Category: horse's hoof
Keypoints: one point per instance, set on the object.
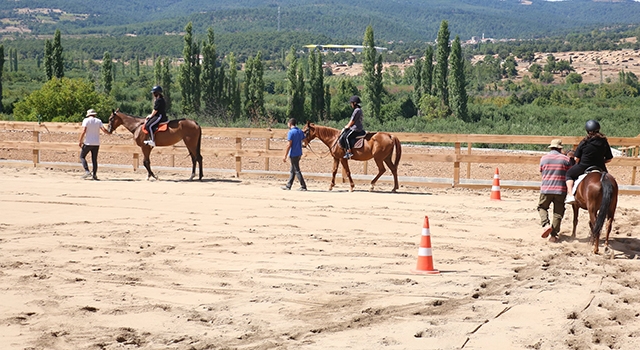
(371, 189)
(608, 252)
(192, 176)
(351, 189)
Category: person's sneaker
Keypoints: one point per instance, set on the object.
(546, 230)
(570, 200)
(150, 143)
(348, 155)
(285, 188)
(302, 189)
(554, 239)
(86, 175)
(96, 178)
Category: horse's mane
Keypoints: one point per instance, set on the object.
(325, 131)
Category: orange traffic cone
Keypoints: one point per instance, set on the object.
(495, 189)
(425, 259)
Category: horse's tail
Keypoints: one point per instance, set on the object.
(398, 147)
(607, 195)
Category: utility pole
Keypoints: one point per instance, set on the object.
(278, 18)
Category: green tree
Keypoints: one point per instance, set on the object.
(57, 58)
(295, 106)
(48, 59)
(316, 85)
(573, 78)
(427, 71)
(535, 70)
(369, 61)
(209, 73)
(418, 65)
(157, 71)
(107, 76)
(233, 88)
(254, 89)
(63, 100)
(509, 67)
(550, 66)
(327, 101)
(136, 64)
(167, 82)
(189, 78)
(457, 82)
(442, 64)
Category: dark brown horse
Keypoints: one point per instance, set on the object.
(378, 145)
(182, 129)
(598, 194)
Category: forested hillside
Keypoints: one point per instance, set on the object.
(406, 20)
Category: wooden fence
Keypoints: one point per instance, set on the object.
(460, 156)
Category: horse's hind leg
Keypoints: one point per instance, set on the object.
(575, 220)
(394, 171)
(381, 170)
(147, 164)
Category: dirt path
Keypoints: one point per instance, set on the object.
(238, 264)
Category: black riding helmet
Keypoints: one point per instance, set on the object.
(355, 99)
(157, 88)
(592, 126)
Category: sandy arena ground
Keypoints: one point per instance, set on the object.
(240, 264)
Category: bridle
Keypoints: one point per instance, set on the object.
(306, 136)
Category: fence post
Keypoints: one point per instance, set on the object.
(468, 163)
(456, 166)
(267, 146)
(172, 159)
(238, 157)
(365, 167)
(136, 161)
(36, 150)
(633, 174)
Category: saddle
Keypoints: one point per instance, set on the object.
(591, 169)
(359, 142)
(161, 127)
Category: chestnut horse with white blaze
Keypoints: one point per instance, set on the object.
(178, 130)
(378, 146)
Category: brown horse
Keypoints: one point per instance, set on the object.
(598, 194)
(182, 129)
(378, 145)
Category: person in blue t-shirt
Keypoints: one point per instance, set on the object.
(294, 151)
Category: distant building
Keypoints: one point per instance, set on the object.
(341, 48)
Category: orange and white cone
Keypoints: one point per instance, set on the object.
(425, 259)
(495, 188)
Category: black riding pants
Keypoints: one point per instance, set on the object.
(94, 157)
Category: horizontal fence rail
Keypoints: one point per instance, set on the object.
(628, 145)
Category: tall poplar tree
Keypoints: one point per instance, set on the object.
(167, 81)
(233, 88)
(48, 59)
(209, 73)
(442, 64)
(427, 71)
(371, 90)
(316, 85)
(417, 79)
(295, 108)
(57, 58)
(107, 76)
(189, 78)
(457, 82)
(254, 88)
